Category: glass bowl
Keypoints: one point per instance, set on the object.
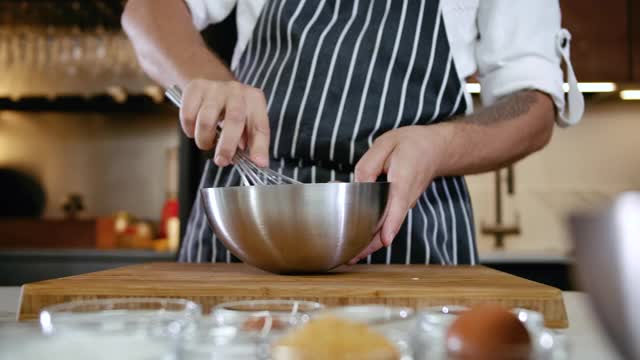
(22, 341)
(429, 334)
(118, 315)
(210, 340)
(533, 320)
(131, 328)
(339, 348)
(248, 335)
(238, 312)
(29, 342)
(381, 317)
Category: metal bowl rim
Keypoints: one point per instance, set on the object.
(296, 186)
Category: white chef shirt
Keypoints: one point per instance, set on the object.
(510, 45)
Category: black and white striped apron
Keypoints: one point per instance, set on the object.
(337, 74)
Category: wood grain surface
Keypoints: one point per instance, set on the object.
(415, 286)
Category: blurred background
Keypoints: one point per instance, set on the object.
(95, 173)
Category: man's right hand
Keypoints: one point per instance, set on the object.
(240, 109)
(177, 55)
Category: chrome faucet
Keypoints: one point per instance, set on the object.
(500, 230)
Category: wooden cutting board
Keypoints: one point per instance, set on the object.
(415, 286)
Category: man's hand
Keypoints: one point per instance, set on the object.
(172, 52)
(512, 128)
(241, 111)
(410, 157)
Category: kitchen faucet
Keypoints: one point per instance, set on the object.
(500, 230)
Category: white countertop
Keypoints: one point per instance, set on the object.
(586, 337)
(9, 299)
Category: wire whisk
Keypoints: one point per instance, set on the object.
(250, 173)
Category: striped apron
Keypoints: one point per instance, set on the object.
(337, 74)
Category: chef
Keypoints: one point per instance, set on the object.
(359, 90)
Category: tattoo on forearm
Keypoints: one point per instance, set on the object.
(507, 108)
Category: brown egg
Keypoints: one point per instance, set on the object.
(486, 332)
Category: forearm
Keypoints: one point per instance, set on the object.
(169, 48)
(498, 135)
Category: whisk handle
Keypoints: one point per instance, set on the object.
(174, 94)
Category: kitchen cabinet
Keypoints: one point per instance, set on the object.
(18, 267)
(601, 46)
(57, 233)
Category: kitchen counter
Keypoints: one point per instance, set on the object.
(552, 269)
(586, 337)
(9, 300)
(24, 266)
(519, 257)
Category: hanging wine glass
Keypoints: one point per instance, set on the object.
(77, 51)
(3, 48)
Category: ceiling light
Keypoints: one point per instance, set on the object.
(473, 88)
(584, 87)
(630, 94)
(593, 87)
(587, 87)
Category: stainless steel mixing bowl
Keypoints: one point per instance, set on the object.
(296, 228)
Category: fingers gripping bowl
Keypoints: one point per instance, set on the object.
(296, 228)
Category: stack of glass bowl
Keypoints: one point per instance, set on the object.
(169, 329)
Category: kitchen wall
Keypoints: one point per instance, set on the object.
(118, 162)
(115, 161)
(583, 167)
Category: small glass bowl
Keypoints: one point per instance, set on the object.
(210, 340)
(398, 338)
(21, 341)
(26, 342)
(30, 342)
(244, 336)
(128, 328)
(377, 316)
(533, 320)
(238, 312)
(429, 334)
(119, 315)
(290, 353)
(441, 316)
(557, 350)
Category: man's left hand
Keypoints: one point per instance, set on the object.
(410, 156)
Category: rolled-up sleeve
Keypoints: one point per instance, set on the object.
(206, 12)
(517, 49)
